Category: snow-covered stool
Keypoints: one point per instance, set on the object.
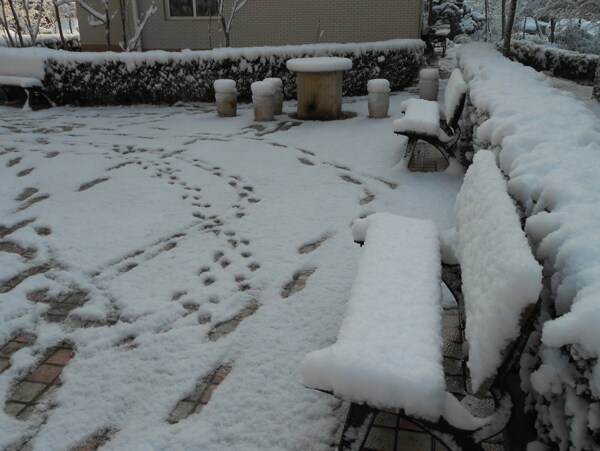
(440, 37)
(388, 354)
(29, 84)
(429, 84)
(226, 97)
(278, 97)
(262, 99)
(422, 121)
(379, 98)
(319, 86)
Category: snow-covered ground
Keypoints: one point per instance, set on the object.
(175, 221)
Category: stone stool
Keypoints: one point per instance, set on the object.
(379, 97)
(262, 98)
(278, 97)
(226, 97)
(429, 83)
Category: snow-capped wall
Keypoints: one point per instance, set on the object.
(167, 77)
(561, 63)
(548, 144)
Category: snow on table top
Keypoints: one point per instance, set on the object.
(28, 62)
(420, 116)
(389, 348)
(550, 149)
(319, 64)
(500, 276)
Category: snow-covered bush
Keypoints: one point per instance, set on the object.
(166, 77)
(460, 18)
(51, 41)
(561, 63)
(547, 144)
(577, 39)
(596, 91)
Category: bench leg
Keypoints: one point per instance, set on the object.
(360, 419)
(410, 148)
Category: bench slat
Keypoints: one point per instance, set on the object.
(389, 348)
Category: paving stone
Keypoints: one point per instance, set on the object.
(25, 412)
(45, 373)
(60, 357)
(414, 441)
(453, 367)
(386, 419)
(25, 338)
(14, 408)
(381, 439)
(451, 321)
(453, 350)
(455, 384)
(492, 447)
(479, 407)
(197, 393)
(76, 298)
(55, 318)
(405, 424)
(61, 309)
(10, 348)
(208, 394)
(27, 391)
(452, 334)
(4, 363)
(181, 411)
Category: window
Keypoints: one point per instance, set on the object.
(193, 8)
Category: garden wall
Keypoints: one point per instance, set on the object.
(159, 77)
(548, 146)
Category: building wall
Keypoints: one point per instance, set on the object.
(276, 22)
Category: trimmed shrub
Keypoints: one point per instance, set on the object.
(560, 63)
(166, 78)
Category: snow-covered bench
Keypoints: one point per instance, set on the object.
(388, 354)
(29, 84)
(422, 121)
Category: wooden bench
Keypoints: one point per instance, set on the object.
(29, 84)
(422, 119)
(388, 354)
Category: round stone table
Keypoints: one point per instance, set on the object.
(319, 86)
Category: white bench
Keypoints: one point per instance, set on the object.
(29, 84)
(422, 121)
(388, 354)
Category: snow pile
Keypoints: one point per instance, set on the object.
(456, 89)
(421, 117)
(500, 276)
(262, 88)
(225, 86)
(378, 85)
(548, 144)
(319, 64)
(389, 347)
(29, 62)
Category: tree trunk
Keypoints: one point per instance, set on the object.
(17, 24)
(512, 9)
(107, 27)
(552, 29)
(488, 32)
(503, 18)
(60, 30)
(524, 26)
(123, 12)
(430, 13)
(5, 25)
(225, 31)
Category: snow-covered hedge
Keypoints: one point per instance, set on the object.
(548, 145)
(561, 63)
(50, 41)
(166, 77)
